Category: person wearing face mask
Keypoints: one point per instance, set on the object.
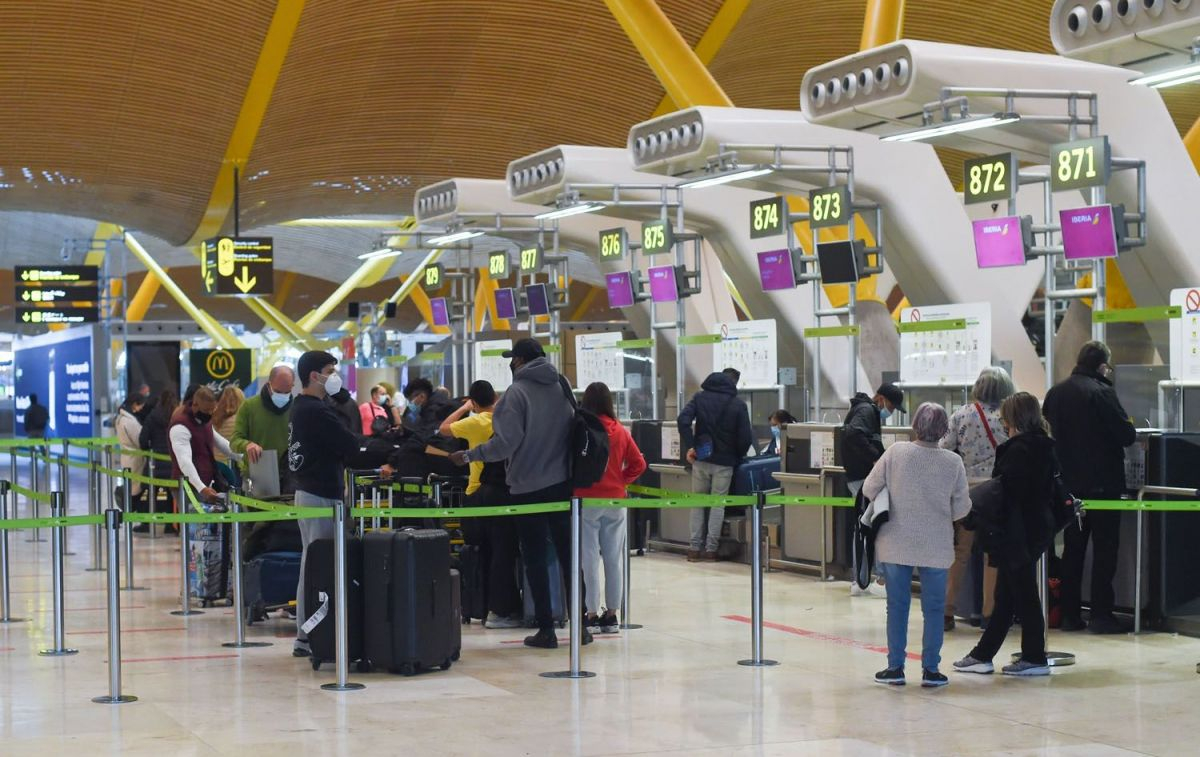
(1092, 430)
(778, 420)
(374, 412)
(262, 420)
(862, 446)
(423, 417)
(193, 442)
(319, 446)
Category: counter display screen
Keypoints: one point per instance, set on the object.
(506, 304)
(441, 311)
(663, 285)
(839, 262)
(1088, 233)
(620, 289)
(999, 242)
(538, 299)
(775, 270)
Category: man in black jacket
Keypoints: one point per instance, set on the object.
(36, 418)
(422, 418)
(862, 446)
(1092, 431)
(719, 441)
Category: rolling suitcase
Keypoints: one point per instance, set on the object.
(320, 597)
(455, 614)
(408, 601)
(472, 589)
(269, 583)
(208, 560)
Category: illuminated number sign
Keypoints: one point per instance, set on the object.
(990, 178)
(657, 237)
(829, 207)
(498, 265)
(433, 277)
(766, 218)
(531, 259)
(1080, 164)
(613, 244)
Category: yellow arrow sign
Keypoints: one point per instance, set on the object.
(25, 296)
(25, 317)
(245, 282)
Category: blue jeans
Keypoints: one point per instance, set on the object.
(933, 603)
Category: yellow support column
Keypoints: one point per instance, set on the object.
(285, 289)
(883, 23)
(718, 31)
(139, 304)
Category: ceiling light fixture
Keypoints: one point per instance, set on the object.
(570, 210)
(1163, 79)
(957, 126)
(451, 238)
(384, 252)
(738, 174)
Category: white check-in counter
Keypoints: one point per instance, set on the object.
(808, 532)
(674, 526)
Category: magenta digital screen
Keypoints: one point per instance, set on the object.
(999, 242)
(663, 287)
(441, 312)
(538, 299)
(506, 304)
(1088, 233)
(620, 289)
(775, 270)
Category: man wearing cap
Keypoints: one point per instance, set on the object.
(530, 430)
(862, 444)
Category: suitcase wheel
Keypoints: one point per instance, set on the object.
(445, 664)
(456, 656)
(408, 669)
(363, 666)
(316, 663)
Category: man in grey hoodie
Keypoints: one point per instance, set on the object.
(530, 432)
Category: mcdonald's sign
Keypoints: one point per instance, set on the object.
(221, 367)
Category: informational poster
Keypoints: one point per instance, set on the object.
(57, 368)
(1185, 335)
(670, 443)
(752, 348)
(820, 449)
(954, 356)
(598, 358)
(490, 366)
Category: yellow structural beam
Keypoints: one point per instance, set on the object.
(714, 37)
(687, 82)
(345, 223)
(485, 303)
(585, 303)
(139, 304)
(883, 23)
(285, 289)
(254, 107)
(283, 325)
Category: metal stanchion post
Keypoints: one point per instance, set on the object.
(239, 600)
(127, 508)
(64, 486)
(94, 509)
(185, 554)
(6, 496)
(341, 512)
(112, 524)
(576, 610)
(152, 493)
(58, 509)
(376, 522)
(35, 483)
(625, 571)
(756, 588)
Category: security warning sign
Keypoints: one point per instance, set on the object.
(239, 266)
(220, 368)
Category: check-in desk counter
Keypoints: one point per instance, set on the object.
(674, 524)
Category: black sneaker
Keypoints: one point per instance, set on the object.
(1070, 624)
(142, 528)
(932, 679)
(1107, 624)
(587, 638)
(547, 639)
(608, 622)
(891, 677)
(300, 648)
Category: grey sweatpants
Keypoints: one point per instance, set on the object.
(709, 479)
(603, 540)
(311, 529)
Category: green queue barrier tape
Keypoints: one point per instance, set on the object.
(788, 501)
(69, 520)
(458, 512)
(699, 500)
(30, 493)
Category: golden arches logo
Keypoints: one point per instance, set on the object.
(220, 364)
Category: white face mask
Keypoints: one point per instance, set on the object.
(280, 399)
(383, 399)
(333, 384)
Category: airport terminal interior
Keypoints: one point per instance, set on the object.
(604, 377)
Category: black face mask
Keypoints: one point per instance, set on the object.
(513, 366)
(202, 418)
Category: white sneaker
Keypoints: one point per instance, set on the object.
(877, 590)
(857, 591)
(495, 621)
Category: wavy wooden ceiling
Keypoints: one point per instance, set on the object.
(127, 105)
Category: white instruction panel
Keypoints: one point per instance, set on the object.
(820, 449)
(493, 368)
(670, 443)
(752, 348)
(598, 358)
(1185, 335)
(946, 357)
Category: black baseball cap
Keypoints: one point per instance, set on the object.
(892, 394)
(527, 349)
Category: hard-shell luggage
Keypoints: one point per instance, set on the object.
(208, 560)
(408, 601)
(455, 614)
(269, 583)
(472, 584)
(558, 593)
(320, 598)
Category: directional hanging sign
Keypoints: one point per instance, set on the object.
(57, 294)
(239, 266)
(70, 315)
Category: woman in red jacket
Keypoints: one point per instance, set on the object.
(604, 529)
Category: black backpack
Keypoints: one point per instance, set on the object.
(588, 440)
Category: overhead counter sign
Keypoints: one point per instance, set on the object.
(57, 294)
(991, 178)
(239, 266)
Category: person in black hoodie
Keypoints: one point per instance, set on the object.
(715, 430)
(319, 444)
(153, 438)
(1093, 431)
(1022, 531)
(862, 446)
(419, 429)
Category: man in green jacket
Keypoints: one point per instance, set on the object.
(262, 421)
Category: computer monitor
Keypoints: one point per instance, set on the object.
(620, 289)
(775, 270)
(663, 284)
(1088, 233)
(999, 242)
(506, 303)
(537, 299)
(839, 262)
(441, 311)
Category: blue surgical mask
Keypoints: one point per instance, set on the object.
(775, 432)
(884, 413)
(280, 399)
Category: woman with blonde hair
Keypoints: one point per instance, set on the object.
(224, 421)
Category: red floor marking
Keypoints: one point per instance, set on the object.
(180, 659)
(839, 640)
(126, 630)
(7, 649)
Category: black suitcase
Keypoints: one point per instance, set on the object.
(455, 613)
(269, 582)
(408, 601)
(318, 581)
(473, 591)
